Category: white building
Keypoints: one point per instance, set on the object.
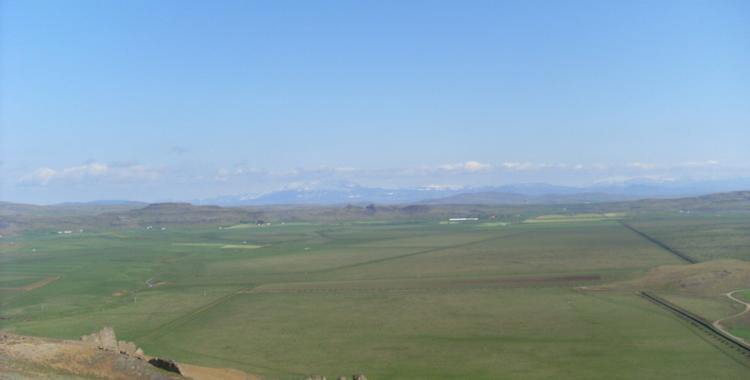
(463, 219)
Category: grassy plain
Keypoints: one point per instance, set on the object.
(416, 300)
(703, 237)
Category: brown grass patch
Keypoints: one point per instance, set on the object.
(706, 278)
(206, 373)
(34, 285)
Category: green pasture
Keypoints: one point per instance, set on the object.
(419, 300)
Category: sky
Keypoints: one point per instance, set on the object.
(181, 100)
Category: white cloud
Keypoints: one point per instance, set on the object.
(89, 171)
(468, 166)
(642, 165)
(519, 165)
(621, 179)
(345, 169)
(431, 187)
(680, 165)
(244, 177)
(699, 164)
(223, 174)
(40, 176)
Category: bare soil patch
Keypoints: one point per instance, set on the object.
(207, 373)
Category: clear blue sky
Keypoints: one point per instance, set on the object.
(183, 99)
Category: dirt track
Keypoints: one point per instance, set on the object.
(696, 320)
(717, 323)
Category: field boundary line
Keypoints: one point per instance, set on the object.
(164, 328)
(658, 243)
(698, 321)
(417, 253)
(428, 286)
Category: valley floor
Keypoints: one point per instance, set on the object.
(393, 301)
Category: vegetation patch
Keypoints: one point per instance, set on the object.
(567, 218)
(397, 300)
(219, 245)
(493, 224)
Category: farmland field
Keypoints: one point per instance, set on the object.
(401, 300)
(702, 237)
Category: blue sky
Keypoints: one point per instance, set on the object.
(188, 99)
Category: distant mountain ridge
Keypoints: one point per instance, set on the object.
(343, 193)
(105, 202)
(501, 198)
(349, 193)
(16, 218)
(332, 195)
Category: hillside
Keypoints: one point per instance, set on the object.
(95, 356)
(707, 278)
(24, 357)
(185, 213)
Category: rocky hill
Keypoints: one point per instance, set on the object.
(96, 356)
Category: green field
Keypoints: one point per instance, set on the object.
(702, 237)
(406, 300)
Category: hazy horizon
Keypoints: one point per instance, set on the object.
(179, 101)
(402, 190)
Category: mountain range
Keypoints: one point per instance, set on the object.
(350, 193)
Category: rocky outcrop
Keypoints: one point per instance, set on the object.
(24, 357)
(105, 339)
(128, 348)
(106, 344)
(165, 364)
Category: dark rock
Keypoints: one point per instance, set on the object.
(165, 364)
